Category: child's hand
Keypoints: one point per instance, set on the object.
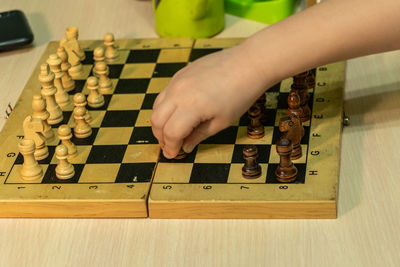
(205, 97)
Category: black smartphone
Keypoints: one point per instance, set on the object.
(14, 30)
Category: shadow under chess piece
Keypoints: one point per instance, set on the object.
(255, 130)
(251, 169)
(286, 172)
(293, 130)
(31, 170)
(181, 155)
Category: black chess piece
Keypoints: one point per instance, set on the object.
(286, 172)
(255, 130)
(301, 86)
(251, 169)
(261, 101)
(310, 79)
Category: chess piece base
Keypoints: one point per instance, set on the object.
(251, 173)
(41, 153)
(32, 174)
(66, 173)
(286, 174)
(255, 133)
(83, 134)
(296, 152)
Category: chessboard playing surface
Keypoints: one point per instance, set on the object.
(119, 169)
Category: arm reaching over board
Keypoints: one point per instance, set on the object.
(213, 92)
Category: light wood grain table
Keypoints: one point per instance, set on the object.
(366, 232)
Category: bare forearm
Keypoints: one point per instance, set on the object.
(331, 31)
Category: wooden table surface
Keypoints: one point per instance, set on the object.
(366, 232)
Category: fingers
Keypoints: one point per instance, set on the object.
(179, 125)
(159, 118)
(202, 132)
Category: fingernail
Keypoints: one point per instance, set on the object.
(188, 148)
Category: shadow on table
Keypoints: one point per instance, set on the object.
(368, 109)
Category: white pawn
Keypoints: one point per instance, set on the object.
(31, 170)
(104, 82)
(46, 78)
(62, 97)
(82, 128)
(64, 169)
(65, 135)
(111, 51)
(80, 101)
(67, 81)
(40, 112)
(94, 99)
(98, 56)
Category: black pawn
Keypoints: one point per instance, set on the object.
(286, 172)
(255, 130)
(251, 169)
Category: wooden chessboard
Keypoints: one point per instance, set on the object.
(119, 169)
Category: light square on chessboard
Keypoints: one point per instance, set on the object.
(285, 85)
(283, 113)
(158, 84)
(215, 153)
(15, 175)
(173, 173)
(80, 158)
(242, 137)
(174, 55)
(99, 173)
(138, 70)
(97, 118)
(141, 153)
(113, 136)
(235, 174)
(114, 82)
(274, 157)
(143, 119)
(271, 100)
(126, 102)
(122, 56)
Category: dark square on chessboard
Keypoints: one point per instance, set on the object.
(301, 174)
(142, 135)
(201, 52)
(120, 118)
(132, 86)
(143, 56)
(215, 173)
(226, 136)
(51, 178)
(167, 69)
(106, 154)
(88, 58)
(149, 101)
(135, 172)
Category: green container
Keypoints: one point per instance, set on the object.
(266, 11)
(189, 18)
